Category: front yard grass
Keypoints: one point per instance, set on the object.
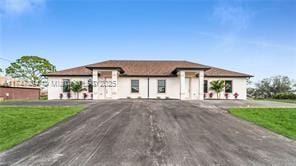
(293, 101)
(20, 123)
(279, 120)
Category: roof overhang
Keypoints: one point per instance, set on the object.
(227, 76)
(66, 75)
(126, 75)
(176, 70)
(106, 68)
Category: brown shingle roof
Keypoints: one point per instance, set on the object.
(142, 68)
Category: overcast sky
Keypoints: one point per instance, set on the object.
(255, 37)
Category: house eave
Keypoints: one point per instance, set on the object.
(106, 68)
(176, 70)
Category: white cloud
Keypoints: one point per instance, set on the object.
(17, 7)
(233, 15)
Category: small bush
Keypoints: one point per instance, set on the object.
(61, 96)
(285, 96)
(85, 96)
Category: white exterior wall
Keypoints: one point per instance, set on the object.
(172, 87)
(55, 87)
(239, 85)
(124, 87)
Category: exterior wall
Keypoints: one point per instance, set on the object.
(239, 85)
(172, 87)
(124, 87)
(55, 87)
(17, 93)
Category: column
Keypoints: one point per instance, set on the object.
(182, 85)
(95, 84)
(201, 85)
(114, 84)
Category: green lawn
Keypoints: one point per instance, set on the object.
(281, 100)
(279, 120)
(20, 123)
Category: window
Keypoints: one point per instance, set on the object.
(135, 86)
(90, 85)
(228, 86)
(66, 85)
(205, 86)
(161, 86)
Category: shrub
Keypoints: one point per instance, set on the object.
(285, 96)
(226, 95)
(43, 97)
(69, 95)
(236, 95)
(211, 95)
(85, 96)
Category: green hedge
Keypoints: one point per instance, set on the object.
(285, 96)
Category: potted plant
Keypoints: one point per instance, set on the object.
(235, 95)
(69, 95)
(226, 95)
(85, 96)
(61, 96)
(211, 94)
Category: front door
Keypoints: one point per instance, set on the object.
(187, 88)
(108, 88)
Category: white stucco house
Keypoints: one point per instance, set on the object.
(115, 79)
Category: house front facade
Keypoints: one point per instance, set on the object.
(116, 79)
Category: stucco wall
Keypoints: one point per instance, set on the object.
(239, 85)
(124, 87)
(172, 87)
(55, 87)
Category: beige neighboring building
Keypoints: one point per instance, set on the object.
(115, 79)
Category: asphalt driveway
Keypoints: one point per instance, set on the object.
(155, 132)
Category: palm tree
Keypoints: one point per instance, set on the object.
(217, 86)
(76, 87)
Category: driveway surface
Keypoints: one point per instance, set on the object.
(155, 132)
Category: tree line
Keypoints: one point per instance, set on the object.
(278, 87)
